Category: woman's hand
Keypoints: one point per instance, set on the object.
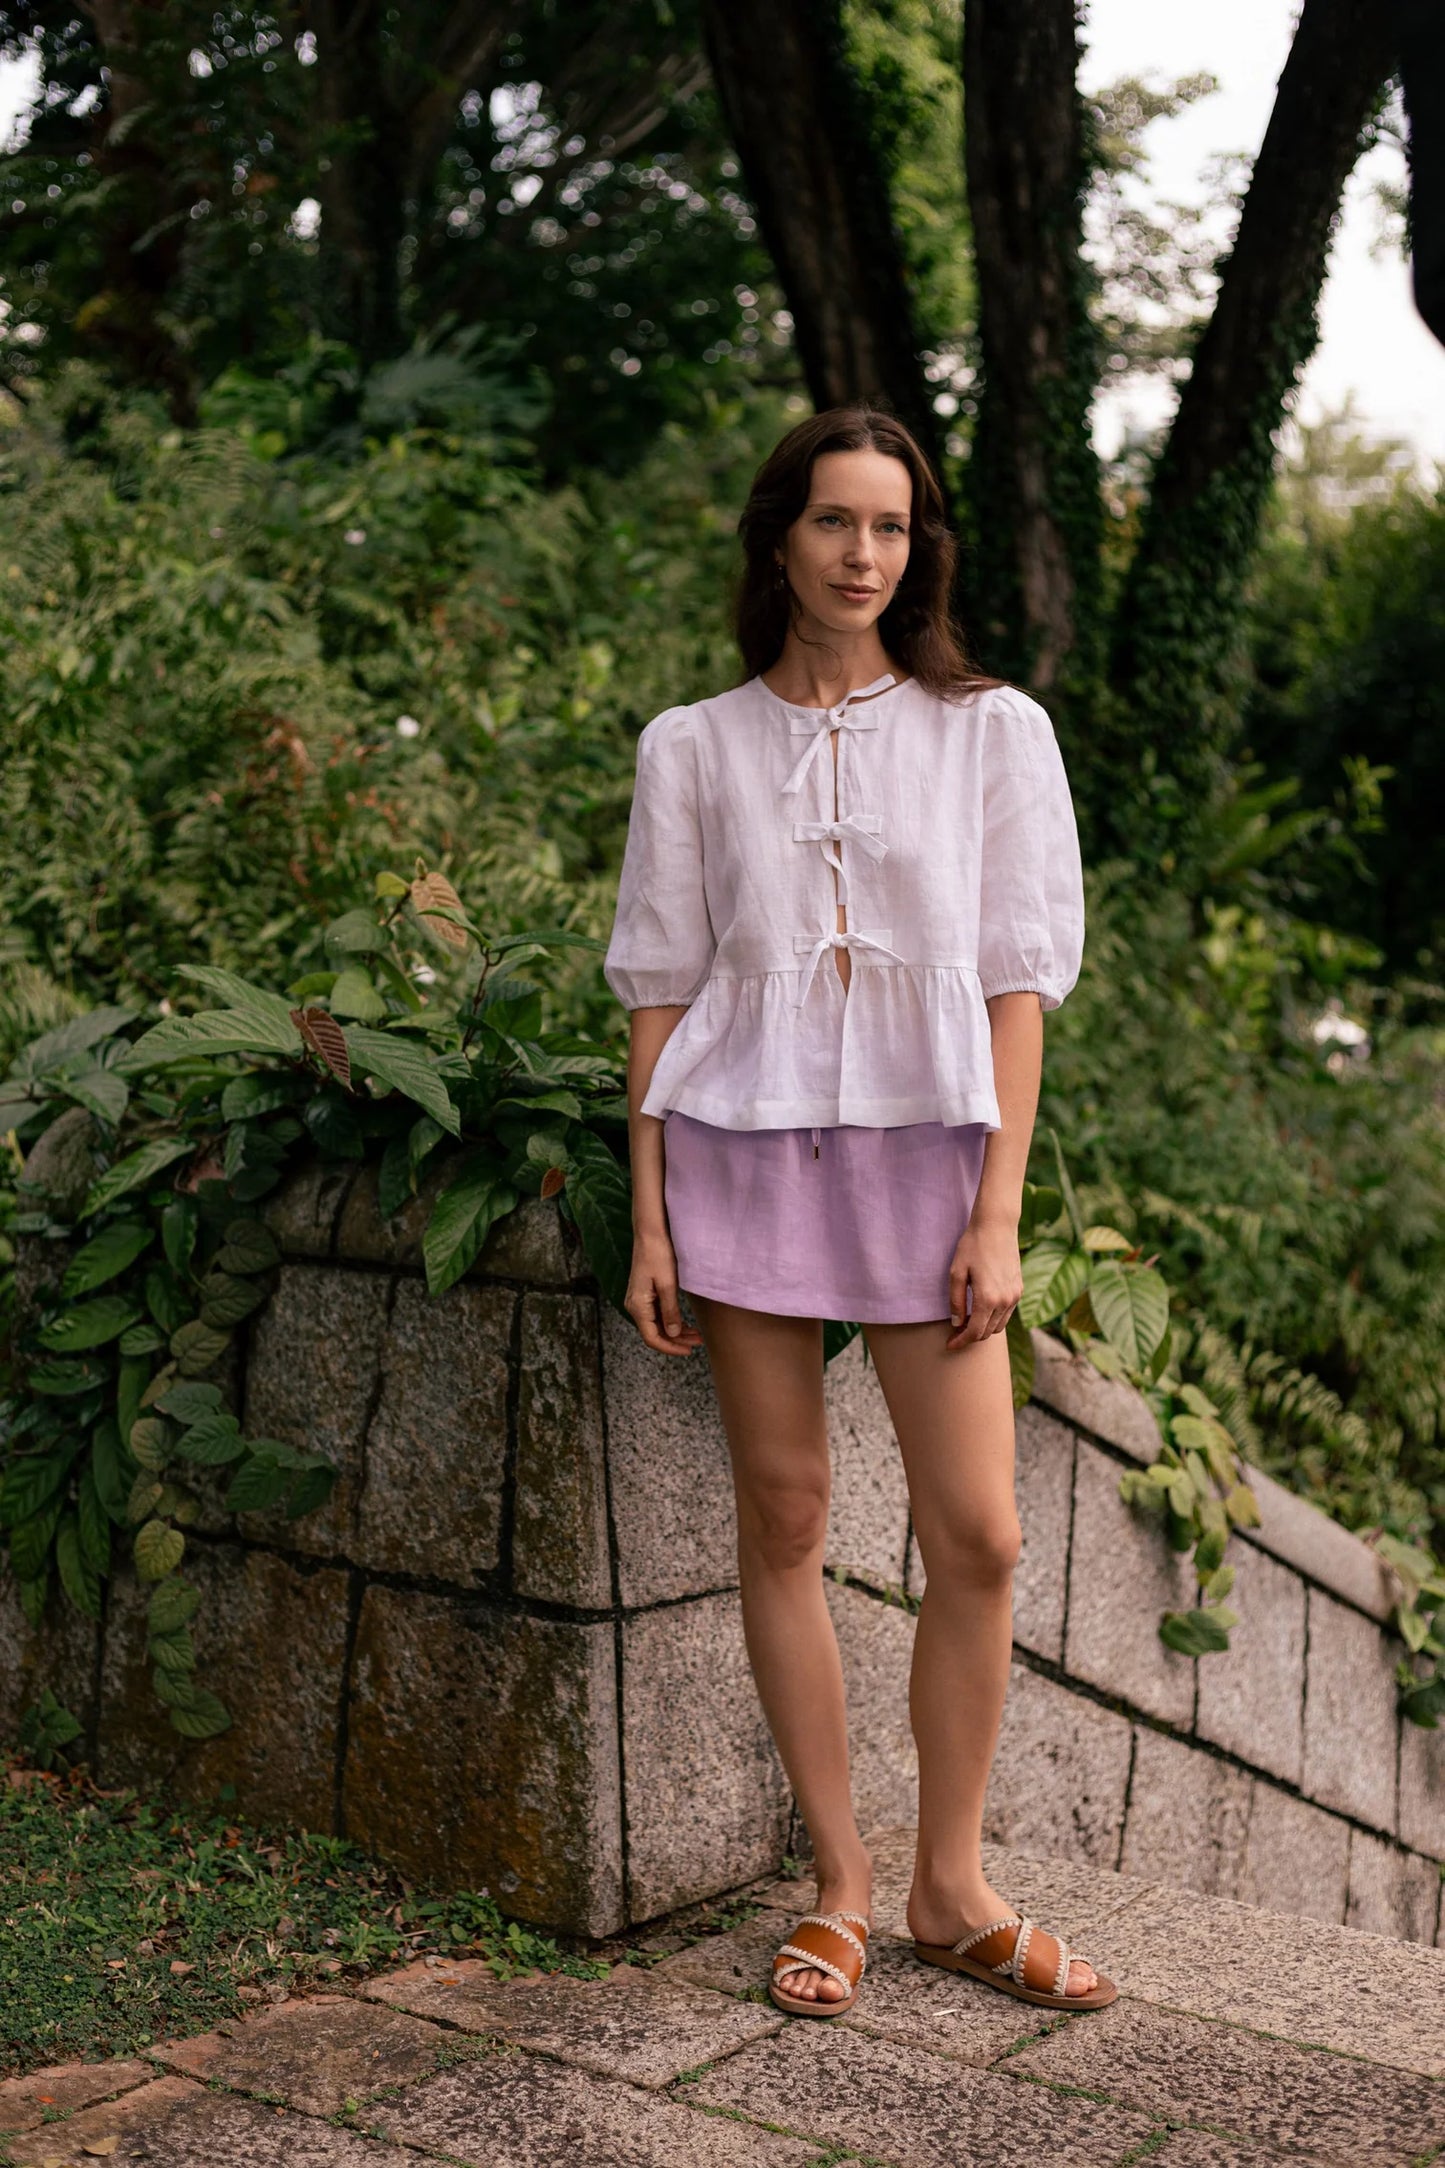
(987, 1263)
(651, 1300)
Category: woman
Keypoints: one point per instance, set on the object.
(851, 886)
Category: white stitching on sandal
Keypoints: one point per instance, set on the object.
(981, 1934)
(1021, 1951)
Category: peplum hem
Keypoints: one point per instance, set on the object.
(739, 1060)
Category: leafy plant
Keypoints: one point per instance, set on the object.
(159, 1149)
(47, 1728)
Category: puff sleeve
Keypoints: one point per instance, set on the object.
(661, 946)
(1031, 916)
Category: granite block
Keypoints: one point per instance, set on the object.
(1251, 1695)
(1059, 1774)
(868, 1510)
(559, 1533)
(482, 1751)
(315, 2055)
(1422, 1788)
(667, 1457)
(1188, 1818)
(270, 1639)
(1350, 1719)
(875, 1641)
(1122, 1578)
(707, 1800)
(1296, 1857)
(1392, 1891)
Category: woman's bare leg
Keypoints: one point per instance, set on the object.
(768, 1375)
(953, 1413)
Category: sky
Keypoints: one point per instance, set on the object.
(1373, 346)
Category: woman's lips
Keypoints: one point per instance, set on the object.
(855, 594)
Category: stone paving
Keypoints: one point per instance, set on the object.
(1241, 2039)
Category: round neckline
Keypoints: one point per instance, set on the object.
(794, 707)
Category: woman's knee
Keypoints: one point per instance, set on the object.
(971, 1550)
(783, 1524)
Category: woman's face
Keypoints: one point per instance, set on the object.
(846, 552)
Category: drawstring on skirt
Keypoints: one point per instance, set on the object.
(815, 1144)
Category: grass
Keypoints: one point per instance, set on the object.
(124, 1923)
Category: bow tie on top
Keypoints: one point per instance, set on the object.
(831, 719)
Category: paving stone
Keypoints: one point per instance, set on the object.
(1251, 1695)
(1122, 1578)
(512, 2110)
(1296, 1857)
(63, 2089)
(1392, 1892)
(1333, 2107)
(303, 1213)
(667, 1457)
(1199, 2149)
(428, 1498)
(1110, 1408)
(177, 2124)
(1350, 1724)
(1422, 1788)
(1329, 1987)
(833, 2083)
(868, 1510)
(875, 1641)
(707, 1800)
(1188, 1818)
(559, 1535)
(901, 1998)
(482, 1752)
(315, 2055)
(280, 1752)
(643, 2027)
(1059, 1774)
(312, 1377)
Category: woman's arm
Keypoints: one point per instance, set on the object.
(652, 1301)
(987, 1257)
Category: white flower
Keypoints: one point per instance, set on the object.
(424, 975)
(354, 535)
(407, 726)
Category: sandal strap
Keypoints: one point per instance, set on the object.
(981, 1934)
(808, 1961)
(831, 1920)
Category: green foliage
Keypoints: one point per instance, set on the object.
(119, 1430)
(125, 1922)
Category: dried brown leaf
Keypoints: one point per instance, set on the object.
(325, 1037)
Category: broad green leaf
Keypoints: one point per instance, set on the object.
(30, 1542)
(166, 1298)
(134, 1172)
(391, 884)
(146, 1494)
(150, 1443)
(1054, 1278)
(353, 995)
(100, 1091)
(477, 1195)
(393, 1180)
(197, 1346)
(1066, 1189)
(1099, 1239)
(404, 1068)
(65, 1380)
(261, 1092)
(159, 1549)
(78, 1577)
(94, 1524)
(90, 1324)
(173, 1606)
(225, 1301)
(180, 1222)
(202, 1717)
(174, 1689)
(249, 1247)
(335, 1128)
(72, 1038)
(30, 1483)
(190, 1402)
(259, 1483)
(1131, 1303)
(214, 1031)
(1219, 1583)
(1021, 1358)
(1194, 1633)
(240, 996)
(141, 1339)
(111, 1470)
(1242, 1506)
(101, 1259)
(174, 1652)
(212, 1442)
(599, 1196)
(311, 1489)
(356, 933)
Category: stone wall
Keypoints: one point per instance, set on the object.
(508, 1652)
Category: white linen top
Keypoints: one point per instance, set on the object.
(953, 840)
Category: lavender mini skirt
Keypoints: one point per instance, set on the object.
(864, 1233)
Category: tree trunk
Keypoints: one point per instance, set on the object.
(1181, 609)
(802, 130)
(1033, 485)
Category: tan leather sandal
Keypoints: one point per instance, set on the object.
(1034, 1964)
(822, 1943)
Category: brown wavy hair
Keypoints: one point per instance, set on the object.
(918, 625)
